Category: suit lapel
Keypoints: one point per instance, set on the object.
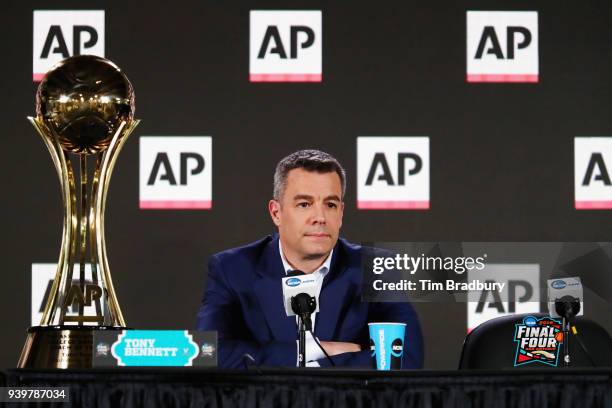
(269, 292)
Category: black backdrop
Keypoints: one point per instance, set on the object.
(502, 162)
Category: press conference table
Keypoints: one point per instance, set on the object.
(293, 387)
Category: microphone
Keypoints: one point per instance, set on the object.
(298, 283)
(567, 307)
(304, 305)
(564, 300)
(300, 298)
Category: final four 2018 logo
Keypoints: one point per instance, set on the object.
(538, 341)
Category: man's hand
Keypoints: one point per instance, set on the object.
(337, 347)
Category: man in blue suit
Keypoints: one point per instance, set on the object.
(243, 300)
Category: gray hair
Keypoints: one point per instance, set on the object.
(309, 160)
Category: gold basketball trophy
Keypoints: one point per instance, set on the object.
(84, 114)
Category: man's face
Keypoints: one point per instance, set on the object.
(309, 214)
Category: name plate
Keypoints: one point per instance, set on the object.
(155, 348)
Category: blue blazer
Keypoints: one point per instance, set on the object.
(243, 302)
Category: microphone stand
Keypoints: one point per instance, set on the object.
(302, 343)
(303, 305)
(566, 336)
(567, 307)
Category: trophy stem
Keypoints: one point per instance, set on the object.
(83, 229)
(83, 236)
(109, 157)
(63, 275)
(90, 220)
(92, 238)
(66, 261)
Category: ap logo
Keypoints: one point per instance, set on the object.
(285, 46)
(175, 172)
(520, 294)
(43, 275)
(502, 46)
(393, 173)
(592, 178)
(59, 34)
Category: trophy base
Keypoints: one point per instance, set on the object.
(59, 346)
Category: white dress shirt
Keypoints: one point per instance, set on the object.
(313, 352)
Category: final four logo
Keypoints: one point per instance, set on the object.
(538, 341)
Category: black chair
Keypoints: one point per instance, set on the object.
(492, 345)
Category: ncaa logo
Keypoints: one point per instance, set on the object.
(502, 46)
(291, 282)
(558, 284)
(393, 173)
(102, 349)
(285, 46)
(175, 172)
(59, 34)
(592, 183)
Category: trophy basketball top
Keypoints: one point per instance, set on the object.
(83, 100)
